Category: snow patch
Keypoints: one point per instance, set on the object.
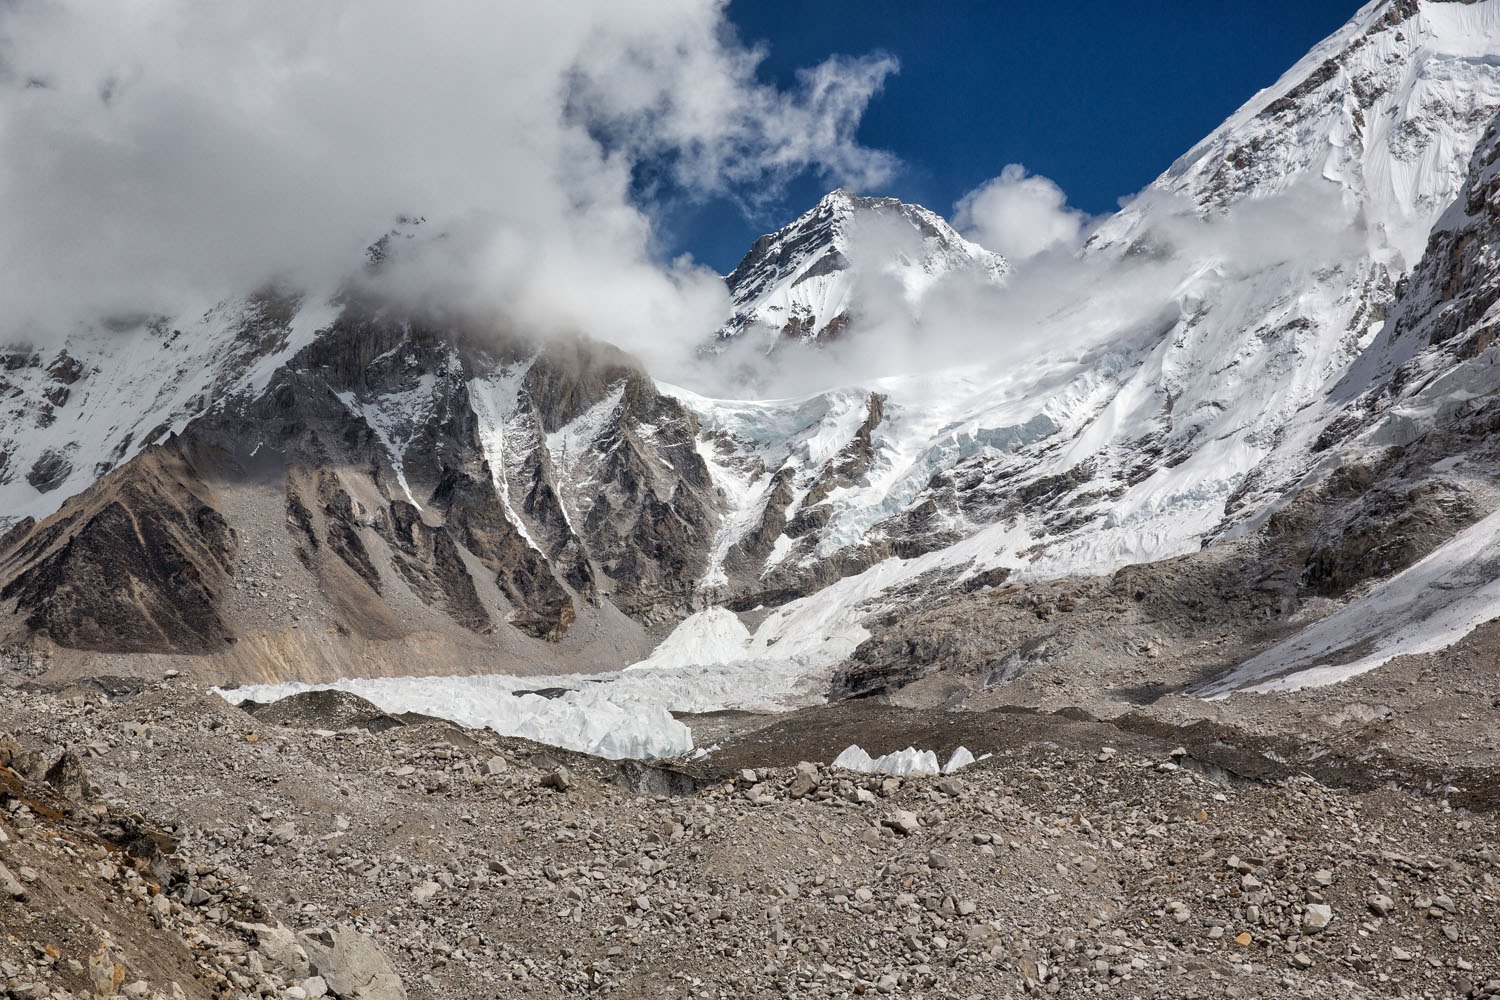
(714, 635)
(1424, 609)
(494, 400)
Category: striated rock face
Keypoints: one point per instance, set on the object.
(411, 476)
(137, 564)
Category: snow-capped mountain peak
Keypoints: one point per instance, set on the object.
(803, 282)
(1385, 110)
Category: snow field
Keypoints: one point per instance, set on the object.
(1427, 608)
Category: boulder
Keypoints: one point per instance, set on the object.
(351, 965)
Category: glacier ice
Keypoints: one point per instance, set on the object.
(713, 635)
(709, 663)
(590, 717)
(961, 758)
(902, 762)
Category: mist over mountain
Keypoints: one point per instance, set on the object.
(159, 161)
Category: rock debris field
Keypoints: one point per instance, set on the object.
(159, 842)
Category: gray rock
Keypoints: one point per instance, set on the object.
(71, 778)
(10, 886)
(279, 949)
(803, 785)
(903, 822)
(351, 965)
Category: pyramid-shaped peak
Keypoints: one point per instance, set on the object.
(803, 281)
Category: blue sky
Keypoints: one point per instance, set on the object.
(1099, 95)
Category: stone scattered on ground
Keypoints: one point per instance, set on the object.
(196, 851)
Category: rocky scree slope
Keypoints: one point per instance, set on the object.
(1077, 858)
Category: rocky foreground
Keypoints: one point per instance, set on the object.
(160, 842)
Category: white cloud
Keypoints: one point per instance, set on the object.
(160, 152)
(1019, 215)
(1157, 262)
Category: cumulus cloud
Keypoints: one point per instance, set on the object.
(157, 153)
(1019, 215)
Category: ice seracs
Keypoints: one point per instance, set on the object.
(710, 663)
(712, 636)
(589, 718)
(902, 762)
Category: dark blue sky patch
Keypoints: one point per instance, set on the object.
(1099, 95)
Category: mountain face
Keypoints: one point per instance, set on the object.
(1309, 436)
(389, 482)
(73, 413)
(808, 280)
(309, 487)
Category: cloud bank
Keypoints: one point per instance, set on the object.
(1019, 215)
(157, 153)
(157, 156)
(1159, 262)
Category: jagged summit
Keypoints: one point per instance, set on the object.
(803, 281)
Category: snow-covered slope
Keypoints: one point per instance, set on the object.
(1385, 111)
(809, 280)
(71, 413)
(1427, 608)
(1269, 256)
(1426, 391)
(1319, 196)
